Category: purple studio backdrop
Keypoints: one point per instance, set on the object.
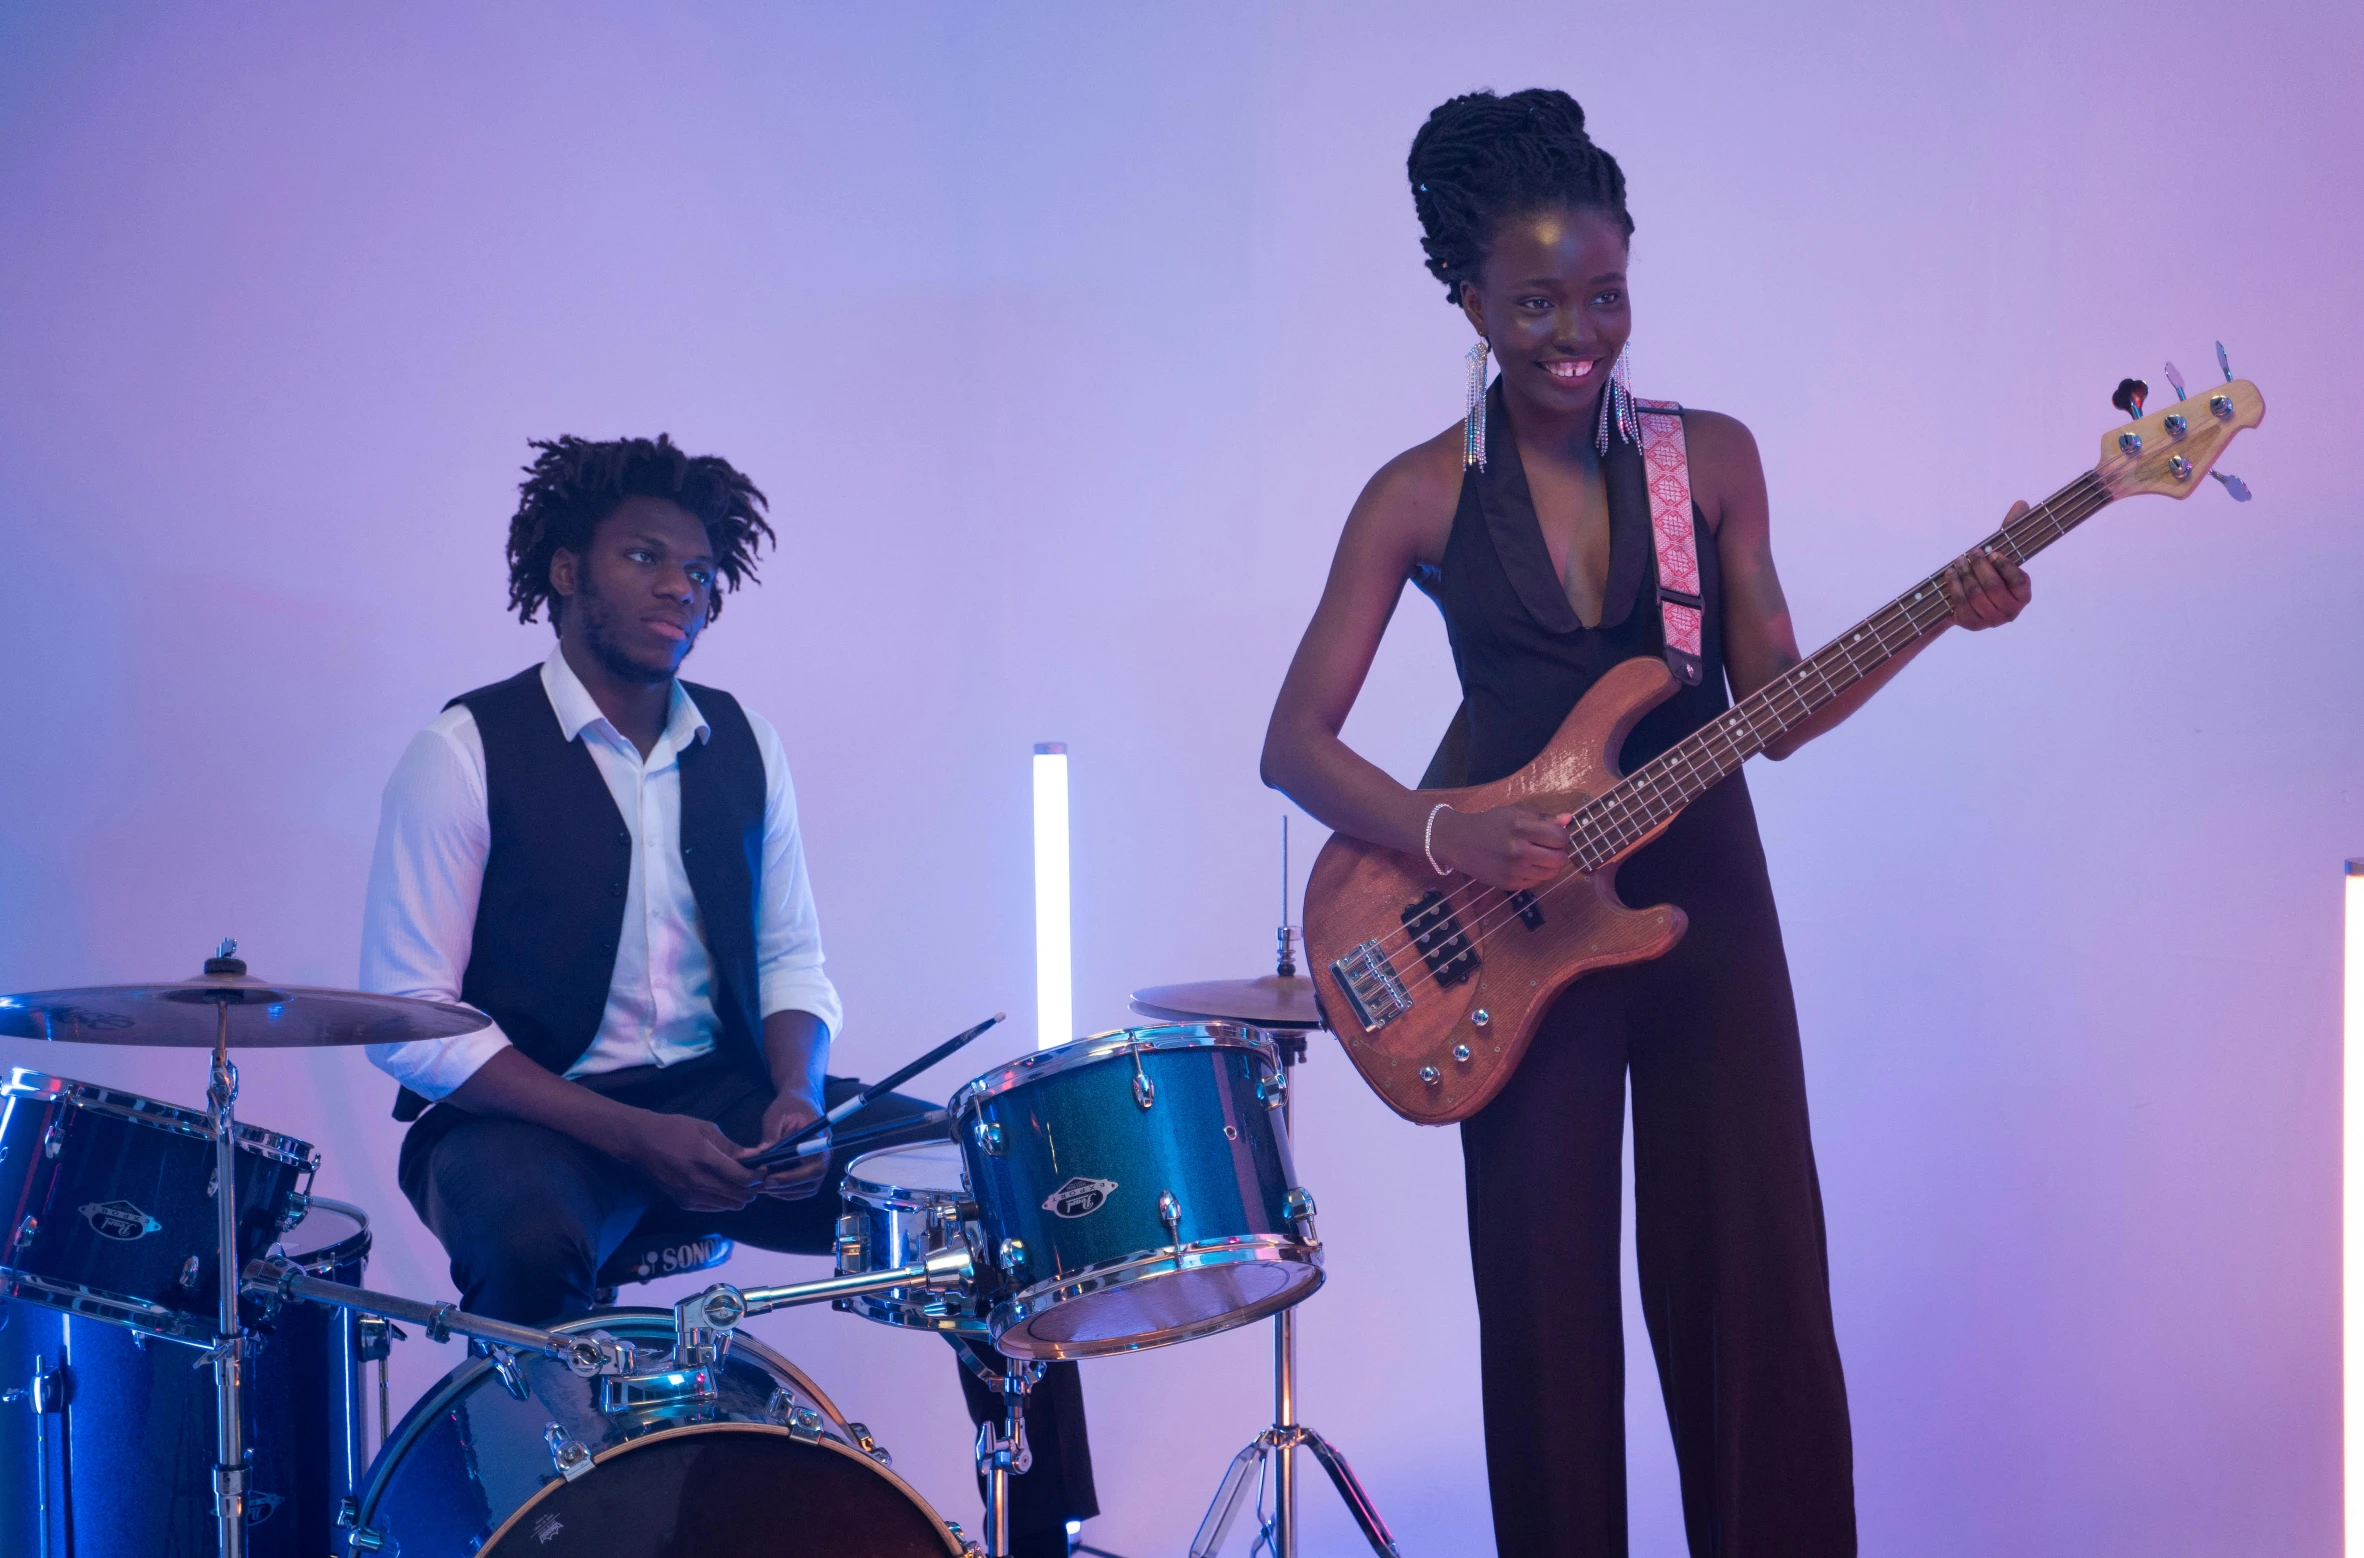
(1062, 337)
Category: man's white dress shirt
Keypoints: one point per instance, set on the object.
(434, 833)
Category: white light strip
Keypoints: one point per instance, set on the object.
(2351, 1211)
(1054, 964)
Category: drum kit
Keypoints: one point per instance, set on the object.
(1128, 1190)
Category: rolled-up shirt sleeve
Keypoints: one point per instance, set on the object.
(788, 934)
(418, 918)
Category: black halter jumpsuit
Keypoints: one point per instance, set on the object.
(1734, 1279)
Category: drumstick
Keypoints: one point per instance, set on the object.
(814, 1147)
(878, 1089)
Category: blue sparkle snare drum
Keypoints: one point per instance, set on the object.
(1134, 1189)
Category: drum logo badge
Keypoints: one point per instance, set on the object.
(119, 1220)
(1079, 1197)
(547, 1527)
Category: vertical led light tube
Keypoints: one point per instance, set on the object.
(1054, 963)
(2351, 1212)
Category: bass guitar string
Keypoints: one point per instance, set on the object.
(2062, 512)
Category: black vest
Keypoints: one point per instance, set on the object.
(552, 907)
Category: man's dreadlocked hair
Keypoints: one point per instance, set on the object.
(1483, 158)
(574, 483)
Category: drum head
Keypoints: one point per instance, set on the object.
(332, 1234)
(726, 1488)
(929, 1167)
(1155, 1304)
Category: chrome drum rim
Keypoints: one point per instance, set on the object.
(1114, 1044)
(1011, 1316)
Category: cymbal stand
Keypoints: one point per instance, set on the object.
(229, 1353)
(1275, 1449)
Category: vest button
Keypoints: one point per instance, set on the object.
(624, 837)
(615, 889)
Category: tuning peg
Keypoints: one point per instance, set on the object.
(2129, 396)
(2176, 379)
(2234, 485)
(2224, 362)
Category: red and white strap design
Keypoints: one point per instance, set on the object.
(1666, 468)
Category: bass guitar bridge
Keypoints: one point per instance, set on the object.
(1371, 986)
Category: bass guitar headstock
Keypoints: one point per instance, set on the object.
(2170, 450)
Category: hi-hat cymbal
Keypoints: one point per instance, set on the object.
(1270, 1002)
(262, 1015)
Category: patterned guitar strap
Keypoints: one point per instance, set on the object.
(1666, 468)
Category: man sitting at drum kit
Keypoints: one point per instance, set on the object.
(606, 860)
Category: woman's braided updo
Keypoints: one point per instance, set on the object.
(1481, 158)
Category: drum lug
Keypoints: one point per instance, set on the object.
(869, 1445)
(1273, 1090)
(24, 1234)
(367, 1541)
(1144, 1090)
(53, 1140)
(1298, 1204)
(989, 1138)
(189, 1274)
(299, 1207)
(849, 1243)
(348, 1512)
(1169, 1212)
(508, 1370)
(802, 1422)
(569, 1457)
(1013, 1257)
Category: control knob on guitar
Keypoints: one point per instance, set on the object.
(1436, 985)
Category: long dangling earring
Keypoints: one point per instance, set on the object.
(1473, 422)
(1617, 400)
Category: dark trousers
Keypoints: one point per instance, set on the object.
(528, 1215)
(1735, 1282)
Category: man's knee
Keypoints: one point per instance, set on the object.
(528, 1275)
(520, 1211)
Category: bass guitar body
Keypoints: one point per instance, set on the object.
(1435, 984)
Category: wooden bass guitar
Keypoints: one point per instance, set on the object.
(1435, 985)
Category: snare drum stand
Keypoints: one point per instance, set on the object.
(1277, 1446)
(1002, 1452)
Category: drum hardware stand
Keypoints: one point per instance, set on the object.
(46, 1391)
(231, 1459)
(1002, 1450)
(1276, 1447)
(374, 1337)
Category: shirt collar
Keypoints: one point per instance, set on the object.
(576, 709)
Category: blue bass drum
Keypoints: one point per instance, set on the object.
(1135, 1189)
(525, 1459)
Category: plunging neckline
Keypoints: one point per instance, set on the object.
(1517, 530)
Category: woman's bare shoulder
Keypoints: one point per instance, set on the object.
(1412, 497)
(1727, 476)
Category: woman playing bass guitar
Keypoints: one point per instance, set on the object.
(1531, 527)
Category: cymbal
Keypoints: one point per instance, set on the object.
(262, 1015)
(1269, 1002)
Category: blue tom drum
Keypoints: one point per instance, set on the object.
(1134, 1188)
